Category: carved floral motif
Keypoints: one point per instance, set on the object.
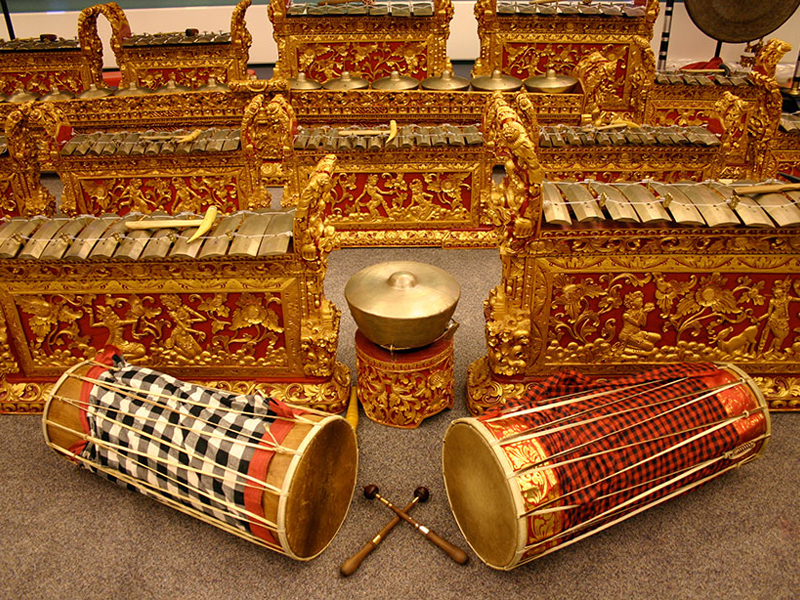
(405, 392)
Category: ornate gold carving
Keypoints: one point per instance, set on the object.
(508, 332)
(769, 56)
(22, 397)
(407, 196)
(265, 319)
(32, 198)
(7, 362)
(733, 114)
(92, 45)
(782, 393)
(524, 45)
(312, 235)
(190, 65)
(367, 45)
(505, 135)
(419, 106)
(404, 392)
(331, 396)
(764, 122)
(96, 183)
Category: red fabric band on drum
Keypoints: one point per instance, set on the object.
(259, 465)
(84, 398)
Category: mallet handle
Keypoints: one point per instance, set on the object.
(351, 564)
(457, 554)
(766, 188)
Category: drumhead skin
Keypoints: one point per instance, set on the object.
(319, 487)
(480, 495)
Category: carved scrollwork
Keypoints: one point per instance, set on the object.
(508, 333)
(518, 198)
(241, 38)
(733, 114)
(92, 45)
(33, 198)
(311, 234)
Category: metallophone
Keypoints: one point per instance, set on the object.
(524, 39)
(431, 184)
(110, 112)
(242, 308)
(189, 57)
(176, 170)
(371, 40)
(609, 278)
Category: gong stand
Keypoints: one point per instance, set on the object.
(7, 16)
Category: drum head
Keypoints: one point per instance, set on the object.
(480, 496)
(321, 490)
(736, 21)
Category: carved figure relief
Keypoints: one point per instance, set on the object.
(401, 197)
(699, 317)
(173, 194)
(162, 329)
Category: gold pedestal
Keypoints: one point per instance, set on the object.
(402, 388)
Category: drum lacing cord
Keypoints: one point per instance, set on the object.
(260, 415)
(237, 438)
(159, 495)
(189, 401)
(714, 427)
(116, 447)
(642, 508)
(125, 391)
(542, 508)
(569, 399)
(583, 397)
(544, 429)
(709, 393)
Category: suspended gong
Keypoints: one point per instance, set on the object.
(736, 21)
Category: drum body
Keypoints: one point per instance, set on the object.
(551, 469)
(276, 475)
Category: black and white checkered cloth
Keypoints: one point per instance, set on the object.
(183, 442)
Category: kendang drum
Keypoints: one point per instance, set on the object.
(279, 476)
(574, 455)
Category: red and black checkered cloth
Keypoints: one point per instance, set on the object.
(642, 414)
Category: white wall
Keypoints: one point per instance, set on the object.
(687, 43)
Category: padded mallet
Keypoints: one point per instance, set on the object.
(421, 494)
(457, 554)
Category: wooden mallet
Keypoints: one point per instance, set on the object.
(203, 225)
(457, 554)
(421, 494)
(392, 131)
